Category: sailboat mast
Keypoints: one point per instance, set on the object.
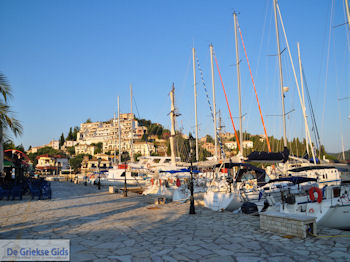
(342, 147)
(172, 132)
(239, 87)
(347, 11)
(119, 135)
(195, 99)
(281, 75)
(214, 103)
(132, 128)
(307, 131)
(303, 99)
(115, 140)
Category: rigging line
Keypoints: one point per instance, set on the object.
(208, 100)
(327, 63)
(256, 94)
(313, 118)
(228, 106)
(296, 82)
(138, 113)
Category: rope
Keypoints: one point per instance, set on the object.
(228, 106)
(297, 84)
(211, 109)
(256, 94)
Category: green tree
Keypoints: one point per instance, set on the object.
(8, 144)
(71, 150)
(7, 120)
(75, 132)
(209, 139)
(20, 148)
(61, 140)
(88, 121)
(125, 156)
(70, 135)
(75, 162)
(98, 147)
(203, 154)
(136, 156)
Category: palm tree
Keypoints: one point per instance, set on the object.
(7, 121)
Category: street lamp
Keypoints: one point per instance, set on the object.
(192, 209)
(99, 176)
(125, 155)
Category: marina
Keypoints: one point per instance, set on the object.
(169, 176)
(109, 227)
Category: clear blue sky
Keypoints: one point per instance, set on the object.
(67, 61)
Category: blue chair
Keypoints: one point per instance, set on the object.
(5, 192)
(17, 191)
(46, 190)
(34, 190)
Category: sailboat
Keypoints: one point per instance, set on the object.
(332, 205)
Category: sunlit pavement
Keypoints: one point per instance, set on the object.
(108, 227)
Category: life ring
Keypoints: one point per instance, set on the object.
(311, 210)
(319, 194)
(148, 165)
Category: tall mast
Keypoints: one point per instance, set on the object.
(119, 135)
(347, 12)
(303, 98)
(239, 88)
(115, 140)
(307, 131)
(342, 147)
(132, 128)
(195, 100)
(214, 104)
(172, 118)
(281, 75)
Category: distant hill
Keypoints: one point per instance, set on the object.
(339, 156)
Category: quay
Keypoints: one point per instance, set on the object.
(108, 227)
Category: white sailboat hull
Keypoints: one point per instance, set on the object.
(222, 201)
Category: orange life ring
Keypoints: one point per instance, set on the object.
(319, 194)
(148, 165)
(311, 210)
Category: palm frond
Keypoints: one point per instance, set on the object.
(5, 88)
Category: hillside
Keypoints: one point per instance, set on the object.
(339, 155)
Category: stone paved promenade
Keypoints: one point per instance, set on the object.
(108, 227)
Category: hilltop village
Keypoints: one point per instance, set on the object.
(85, 145)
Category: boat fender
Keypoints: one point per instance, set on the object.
(266, 206)
(178, 182)
(249, 208)
(319, 194)
(152, 181)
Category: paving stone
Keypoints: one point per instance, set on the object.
(121, 258)
(108, 227)
(164, 251)
(249, 259)
(129, 242)
(223, 252)
(203, 252)
(169, 259)
(156, 258)
(338, 254)
(218, 259)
